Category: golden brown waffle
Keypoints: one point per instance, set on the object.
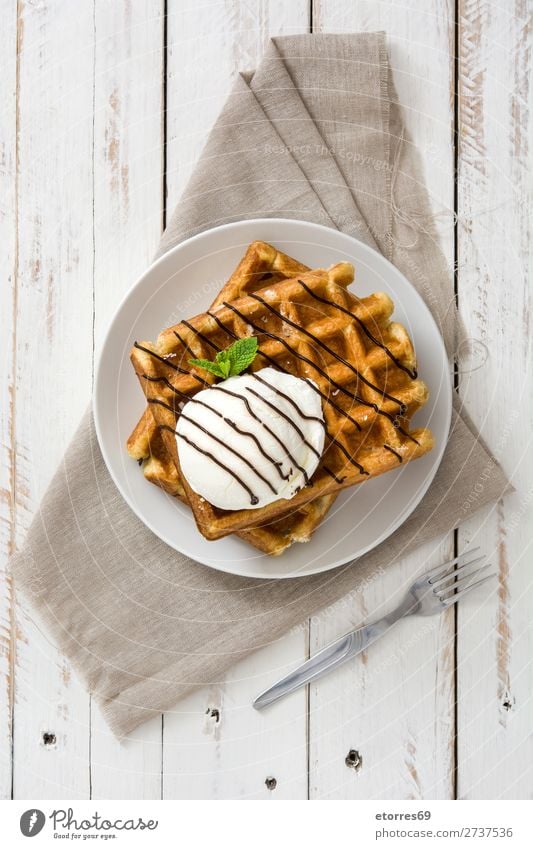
(261, 265)
(362, 364)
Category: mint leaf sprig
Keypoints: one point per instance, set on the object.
(232, 360)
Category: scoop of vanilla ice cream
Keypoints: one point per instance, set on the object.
(251, 439)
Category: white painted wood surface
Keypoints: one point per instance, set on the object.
(8, 261)
(83, 181)
(495, 645)
(54, 315)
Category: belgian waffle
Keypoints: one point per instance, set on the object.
(261, 265)
(361, 363)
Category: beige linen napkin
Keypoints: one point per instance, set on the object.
(314, 133)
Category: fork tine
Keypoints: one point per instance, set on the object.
(459, 571)
(438, 570)
(462, 582)
(455, 598)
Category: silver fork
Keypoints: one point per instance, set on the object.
(432, 593)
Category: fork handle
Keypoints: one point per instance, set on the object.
(331, 657)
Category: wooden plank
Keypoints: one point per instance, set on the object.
(53, 357)
(207, 46)
(128, 204)
(230, 754)
(216, 746)
(383, 727)
(495, 669)
(8, 263)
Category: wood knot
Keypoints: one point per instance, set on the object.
(508, 703)
(49, 739)
(270, 783)
(353, 760)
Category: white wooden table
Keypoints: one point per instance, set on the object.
(105, 107)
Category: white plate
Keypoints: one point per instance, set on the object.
(183, 283)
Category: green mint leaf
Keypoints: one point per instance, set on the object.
(214, 368)
(223, 360)
(232, 360)
(225, 367)
(242, 353)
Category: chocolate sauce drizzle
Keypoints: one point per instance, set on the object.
(332, 403)
(290, 400)
(232, 424)
(411, 372)
(222, 326)
(182, 341)
(164, 404)
(347, 454)
(166, 427)
(288, 419)
(170, 364)
(186, 418)
(167, 382)
(396, 454)
(277, 366)
(201, 336)
(253, 498)
(333, 475)
(330, 351)
(298, 355)
(332, 439)
(261, 422)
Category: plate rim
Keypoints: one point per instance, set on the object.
(97, 411)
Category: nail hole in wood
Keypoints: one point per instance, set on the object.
(49, 739)
(271, 783)
(214, 713)
(508, 703)
(353, 760)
